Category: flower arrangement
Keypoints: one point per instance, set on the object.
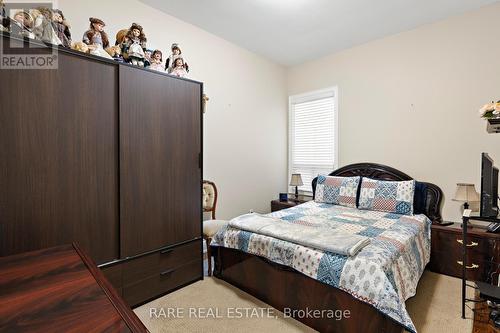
(490, 110)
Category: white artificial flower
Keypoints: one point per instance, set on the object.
(486, 108)
(496, 108)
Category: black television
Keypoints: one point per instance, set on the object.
(489, 187)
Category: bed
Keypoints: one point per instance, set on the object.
(372, 285)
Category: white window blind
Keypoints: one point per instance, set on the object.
(313, 133)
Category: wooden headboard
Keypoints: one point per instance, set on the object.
(433, 195)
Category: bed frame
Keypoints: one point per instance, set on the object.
(283, 287)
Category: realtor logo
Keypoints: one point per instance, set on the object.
(29, 47)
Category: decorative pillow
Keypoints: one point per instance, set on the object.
(387, 196)
(337, 190)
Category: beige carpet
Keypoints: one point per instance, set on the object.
(437, 306)
(212, 305)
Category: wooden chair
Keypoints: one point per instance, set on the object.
(210, 227)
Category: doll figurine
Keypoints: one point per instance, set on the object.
(61, 27)
(22, 25)
(121, 36)
(176, 53)
(115, 52)
(96, 38)
(80, 46)
(157, 61)
(134, 45)
(4, 19)
(42, 28)
(147, 57)
(179, 69)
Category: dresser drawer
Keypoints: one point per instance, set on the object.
(152, 264)
(451, 243)
(162, 282)
(446, 255)
(475, 270)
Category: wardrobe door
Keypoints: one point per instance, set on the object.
(59, 158)
(160, 175)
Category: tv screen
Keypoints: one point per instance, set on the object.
(489, 187)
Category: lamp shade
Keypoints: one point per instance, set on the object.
(466, 193)
(296, 180)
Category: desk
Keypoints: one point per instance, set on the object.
(60, 290)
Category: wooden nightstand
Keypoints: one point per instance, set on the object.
(483, 252)
(279, 205)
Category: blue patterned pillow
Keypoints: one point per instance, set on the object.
(387, 196)
(337, 190)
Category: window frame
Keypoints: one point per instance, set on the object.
(311, 96)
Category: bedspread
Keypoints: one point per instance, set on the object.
(384, 273)
(317, 237)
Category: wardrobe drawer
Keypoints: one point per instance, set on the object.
(152, 264)
(162, 282)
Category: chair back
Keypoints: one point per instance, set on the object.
(209, 197)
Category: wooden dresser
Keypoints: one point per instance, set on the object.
(60, 290)
(483, 253)
(109, 156)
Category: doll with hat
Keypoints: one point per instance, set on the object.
(121, 36)
(176, 53)
(22, 25)
(134, 45)
(61, 27)
(96, 38)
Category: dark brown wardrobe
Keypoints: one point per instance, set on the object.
(109, 156)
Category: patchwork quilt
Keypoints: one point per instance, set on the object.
(384, 273)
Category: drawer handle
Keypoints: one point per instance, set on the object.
(166, 251)
(472, 244)
(473, 266)
(168, 272)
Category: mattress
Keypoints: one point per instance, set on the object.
(384, 274)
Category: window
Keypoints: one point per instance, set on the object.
(313, 135)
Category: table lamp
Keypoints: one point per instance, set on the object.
(466, 193)
(296, 181)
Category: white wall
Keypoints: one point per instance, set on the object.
(245, 124)
(410, 100)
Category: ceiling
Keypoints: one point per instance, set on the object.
(291, 32)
